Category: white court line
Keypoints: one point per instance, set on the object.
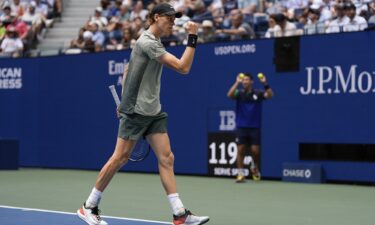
(70, 213)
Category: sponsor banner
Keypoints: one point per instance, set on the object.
(11, 78)
(300, 172)
(323, 80)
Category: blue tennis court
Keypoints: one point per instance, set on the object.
(16, 216)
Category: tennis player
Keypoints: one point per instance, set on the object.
(141, 113)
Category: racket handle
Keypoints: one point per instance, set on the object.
(114, 95)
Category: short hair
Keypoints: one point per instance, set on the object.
(248, 75)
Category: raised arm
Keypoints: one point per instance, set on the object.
(183, 64)
(233, 89)
(268, 92)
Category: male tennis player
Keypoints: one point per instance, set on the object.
(248, 118)
(141, 113)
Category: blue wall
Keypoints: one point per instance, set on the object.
(64, 115)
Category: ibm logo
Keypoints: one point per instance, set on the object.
(227, 120)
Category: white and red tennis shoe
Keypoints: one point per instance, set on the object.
(189, 219)
(91, 215)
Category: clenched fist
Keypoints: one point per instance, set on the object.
(191, 27)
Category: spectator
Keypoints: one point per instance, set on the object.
(137, 27)
(78, 42)
(97, 36)
(229, 5)
(124, 43)
(247, 6)
(24, 32)
(356, 23)
(6, 16)
(314, 25)
(88, 43)
(272, 27)
(106, 11)
(284, 28)
(239, 30)
(100, 20)
(11, 46)
(326, 11)
(208, 32)
(138, 11)
(124, 13)
(197, 11)
(54, 8)
(170, 40)
(115, 9)
(114, 29)
(34, 19)
(337, 25)
(41, 8)
(371, 20)
(18, 7)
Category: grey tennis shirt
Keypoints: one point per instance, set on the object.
(142, 84)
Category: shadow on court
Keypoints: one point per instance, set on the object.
(17, 216)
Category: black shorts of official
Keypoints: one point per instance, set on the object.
(248, 136)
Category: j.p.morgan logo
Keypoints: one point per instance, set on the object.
(297, 173)
(334, 80)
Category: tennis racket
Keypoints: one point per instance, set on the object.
(142, 148)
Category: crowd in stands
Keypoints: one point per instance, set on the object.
(24, 22)
(116, 24)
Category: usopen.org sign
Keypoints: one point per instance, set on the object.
(11, 78)
(323, 80)
(301, 172)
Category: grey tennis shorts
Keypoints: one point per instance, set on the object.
(135, 126)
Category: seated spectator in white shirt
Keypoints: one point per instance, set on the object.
(6, 16)
(326, 9)
(41, 8)
(314, 25)
(11, 46)
(337, 25)
(356, 23)
(284, 28)
(31, 17)
(18, 7)
(98, 18)
(271, 26)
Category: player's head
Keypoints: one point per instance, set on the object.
(162, 18)
(247, 81)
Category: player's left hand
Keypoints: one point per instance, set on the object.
(263, 79)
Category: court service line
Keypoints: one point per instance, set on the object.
(70, 213)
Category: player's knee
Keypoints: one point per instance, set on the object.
(167, 160)
(120, 160)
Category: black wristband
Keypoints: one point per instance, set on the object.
(192, 40)
(266, 87)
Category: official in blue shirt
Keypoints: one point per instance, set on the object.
(248, 120)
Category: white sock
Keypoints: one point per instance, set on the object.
(176, 204)
(94, 198)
